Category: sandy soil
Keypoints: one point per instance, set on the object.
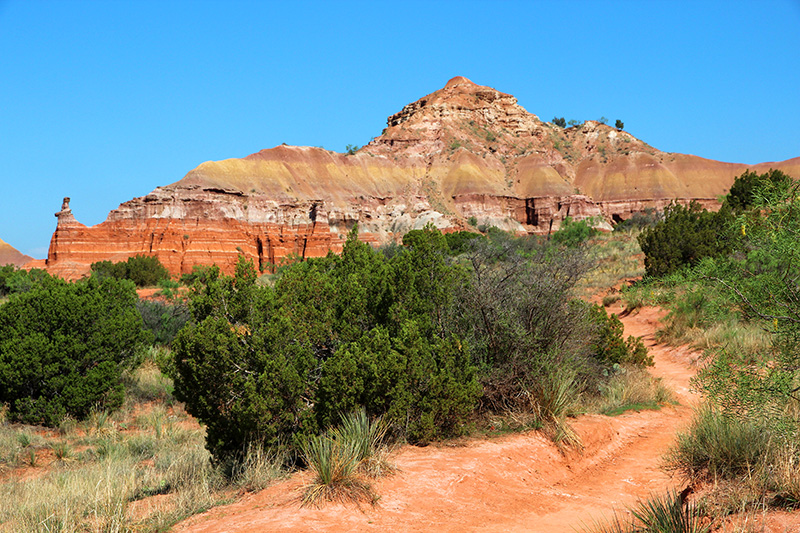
(517, 482)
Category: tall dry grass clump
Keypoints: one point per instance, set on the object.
(632, 388)
(751, 462)
(343, 459)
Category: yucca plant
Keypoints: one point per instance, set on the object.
(337, 458)
(334, 462)
(657, 514)
(667, 514)
(367, 436)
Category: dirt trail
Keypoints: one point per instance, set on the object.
(514, 483)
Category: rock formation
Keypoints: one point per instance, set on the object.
(463, 153)
(11, 256)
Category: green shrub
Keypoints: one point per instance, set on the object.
(458, 242)
(687, 235)
(63, 348)
(163, 320)
(746, 188)
(573, 233)
(144, 271)
(610, 346)
(14, 280)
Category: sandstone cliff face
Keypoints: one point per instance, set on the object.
(463, 151)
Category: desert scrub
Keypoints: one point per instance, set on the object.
(752, 464)
(102, 476)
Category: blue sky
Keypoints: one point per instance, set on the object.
(104, 101)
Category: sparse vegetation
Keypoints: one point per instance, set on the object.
(739, 304)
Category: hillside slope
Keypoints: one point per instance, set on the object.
(11, 256)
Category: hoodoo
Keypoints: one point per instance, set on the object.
(463, 153)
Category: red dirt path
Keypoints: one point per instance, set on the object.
(513, 483)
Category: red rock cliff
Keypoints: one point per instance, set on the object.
(463, 151)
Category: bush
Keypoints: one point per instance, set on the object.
(609, 345)
(163, 320)
(573, 233)
(747, 187)
(64, 346)
(14, 280)
(719, 445)
(687, 235)
(334, 334)
(560, 122)
(144, 271)
(458, 242)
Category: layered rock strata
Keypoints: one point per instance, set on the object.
(463, 154)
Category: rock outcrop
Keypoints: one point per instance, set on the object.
(463, 153)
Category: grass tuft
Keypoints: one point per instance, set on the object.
(340, 458)
(632, 388)
(657, 514)
(718, 446)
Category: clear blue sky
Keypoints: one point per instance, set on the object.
(104, 101)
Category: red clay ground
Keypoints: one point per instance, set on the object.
(517, 482)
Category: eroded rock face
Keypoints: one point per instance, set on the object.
(461, 152)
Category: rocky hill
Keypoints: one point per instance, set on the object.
(465, 153)
(11, 256)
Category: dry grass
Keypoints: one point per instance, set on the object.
(142, 469)
(617, 256)
(632, 388)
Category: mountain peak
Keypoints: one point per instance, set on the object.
(460, 80)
